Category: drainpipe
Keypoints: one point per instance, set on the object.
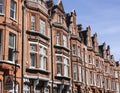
(22, 63)
(51, 54)
(86, 89)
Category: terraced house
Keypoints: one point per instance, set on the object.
(44, 50)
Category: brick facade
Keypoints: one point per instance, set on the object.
(44, 50)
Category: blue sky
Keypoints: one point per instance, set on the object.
(104, 18)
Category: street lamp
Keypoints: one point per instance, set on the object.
(15, 52)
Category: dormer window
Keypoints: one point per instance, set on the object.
(59, 18)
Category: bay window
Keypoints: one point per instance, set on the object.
(13, 9)
(43, 57)
(1, 6)
(11, 47)
(42, 27)
(33, 54)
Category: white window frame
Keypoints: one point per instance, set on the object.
(12, 37)
(42, 27)
(13, 9)
(43, 57)
(2, 6)
(33, 24)
(33, 51)
(66, 67)
(64, 40)
(58, 38)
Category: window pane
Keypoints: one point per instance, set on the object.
(59, 68)
(43, 57)
(13, 9)
(10, 56)
(42, 27)
(32, 59)
(32, 22)
(58, 38)
(74, 50)
(1, 6)
(64, 41)
(66, 66)
(75, 72)
(12, 40)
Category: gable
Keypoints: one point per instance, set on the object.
(60, 5)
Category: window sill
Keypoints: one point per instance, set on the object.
(5, 63)
(59, 76)
(60, 46)
(36, 70)
(13, 19)
(1, 14)
(36, 33)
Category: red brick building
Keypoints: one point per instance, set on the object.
(44, 50)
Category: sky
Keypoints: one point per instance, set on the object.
(103, 16)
